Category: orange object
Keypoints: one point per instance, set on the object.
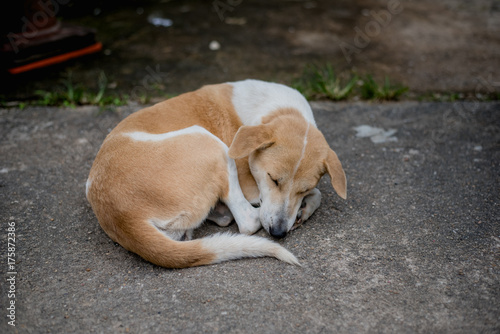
(57, 59)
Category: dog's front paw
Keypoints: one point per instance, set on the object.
(309, 204)
(300, 214)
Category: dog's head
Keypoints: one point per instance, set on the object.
(287, 157)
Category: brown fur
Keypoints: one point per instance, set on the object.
(122, 192)
(209, 107)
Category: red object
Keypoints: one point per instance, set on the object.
(31, 37)
(56, 59)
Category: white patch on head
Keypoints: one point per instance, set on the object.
(302, 154)
(254, 99)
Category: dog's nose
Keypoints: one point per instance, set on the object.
(277, 232)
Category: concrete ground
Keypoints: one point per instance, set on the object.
(414, 249)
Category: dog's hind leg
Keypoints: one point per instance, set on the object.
(188, 235)
(221, 215)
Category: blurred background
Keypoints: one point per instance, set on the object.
(149, 50)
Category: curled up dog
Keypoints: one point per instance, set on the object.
(248, 151)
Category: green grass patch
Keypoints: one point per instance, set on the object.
(322, 82)
(71, 95)
(371, 90)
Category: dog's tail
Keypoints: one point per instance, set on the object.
(227, 246)
(155, 247)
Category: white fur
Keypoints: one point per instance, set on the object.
(235, 246)
(87, 187)
(195, 129)
(245, 215)
(254, 99)
(296, 168)
(172, 228)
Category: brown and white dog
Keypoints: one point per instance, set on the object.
(161, 172)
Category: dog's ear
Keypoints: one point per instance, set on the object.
(337, 175)
(249, 139)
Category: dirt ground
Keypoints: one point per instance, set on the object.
(430, 46)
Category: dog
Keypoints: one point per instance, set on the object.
(248, 151)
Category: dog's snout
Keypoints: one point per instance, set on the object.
(277, 231)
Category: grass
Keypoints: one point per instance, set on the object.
(318, 82)
(72, 95)
(371, 90)
(323, 82)
(315, 82)
(69, 94)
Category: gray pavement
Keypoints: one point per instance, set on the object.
(414, 249)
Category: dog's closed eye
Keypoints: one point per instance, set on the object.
(274, 180)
